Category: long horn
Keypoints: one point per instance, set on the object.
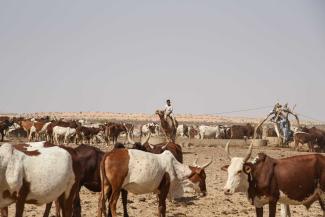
(195, 161)
(207, 164)
(249, 153)
(147, 139)
(227, 150)
(129, 139)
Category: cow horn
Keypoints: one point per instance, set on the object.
(195, 161)
(147, 139)
(129, 139)
(151, 146)
(207, 164)
(164, 147)
(249, 152)
(227, 150)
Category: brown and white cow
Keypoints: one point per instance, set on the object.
(297, 180)
(141, 172)
(38, 174)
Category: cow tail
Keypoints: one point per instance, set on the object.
(105, 187)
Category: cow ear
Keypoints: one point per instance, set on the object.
(225, 168)
(247, 168)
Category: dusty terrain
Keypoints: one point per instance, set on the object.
(214, 204)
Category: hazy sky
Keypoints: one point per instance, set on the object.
(129, 56)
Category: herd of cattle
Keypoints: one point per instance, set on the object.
(59, 131)
(45, 172)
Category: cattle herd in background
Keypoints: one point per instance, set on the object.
(79, 131)
(26, 167)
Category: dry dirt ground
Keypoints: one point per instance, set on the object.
(214, 204)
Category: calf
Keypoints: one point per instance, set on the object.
(303, 138)
(293, 180)
(140, 173)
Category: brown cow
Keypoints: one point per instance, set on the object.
(293, 180)
(174, 148)
(112, 132)
(87, 133)
(318, 135)
(303, 138)
(241, 132)
(141, 172)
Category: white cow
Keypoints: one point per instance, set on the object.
(40, 175)
(237, 180)
(182, 130)
(66, 132)
(144, 173)
(209, 132)
(152, 128)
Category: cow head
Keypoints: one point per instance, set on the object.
(238, 169)
(197, 178)
(138, 145)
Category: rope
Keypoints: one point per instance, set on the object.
(244, 110)
(266, 107)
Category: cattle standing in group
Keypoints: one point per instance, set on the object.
(37, 173)
(140, 173)
(297, 180)
(88, 134)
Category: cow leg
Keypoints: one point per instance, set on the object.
(66, 204)
(2, 135)
(77, 206)
(322, 205)
(259, 211)
(4, 212)
(20, 205)
(162, 195)
(124, 195)
(285, 210)
(105, 193)
(57, 208)
(272, 209)
(113, 201)
(47, 210)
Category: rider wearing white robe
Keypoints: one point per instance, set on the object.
(169, 111)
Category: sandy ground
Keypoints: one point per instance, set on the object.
(214, 204)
